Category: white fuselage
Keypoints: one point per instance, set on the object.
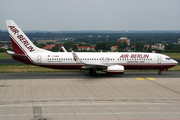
(135, 60)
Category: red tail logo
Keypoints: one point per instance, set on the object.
(75, 57)
(21, 38)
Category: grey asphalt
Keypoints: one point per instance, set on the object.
(70, 75)
(78, 96)
(9, 61)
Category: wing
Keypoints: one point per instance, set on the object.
(88, 65)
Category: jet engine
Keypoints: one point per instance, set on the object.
(115, 69)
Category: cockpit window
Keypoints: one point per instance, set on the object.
(168, 58)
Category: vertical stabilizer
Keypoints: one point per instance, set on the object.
(20, 42)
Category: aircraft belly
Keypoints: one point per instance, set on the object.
(148, 66)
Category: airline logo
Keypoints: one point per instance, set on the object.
(21, 38)
(75, 57)
(134, 56)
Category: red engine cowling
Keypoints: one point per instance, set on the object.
(115, 69)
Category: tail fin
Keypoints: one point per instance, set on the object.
(20, 42)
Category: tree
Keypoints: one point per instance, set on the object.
(56, 47)
(85, 44)
(35, 42)
(122, 46)
(139, 45)
(40, 45)
(125, 44)
(68, 45)
(74, 47)
(102, 46)
(48, 43)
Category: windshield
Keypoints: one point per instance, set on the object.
(168, 58)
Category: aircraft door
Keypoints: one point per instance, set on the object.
(39, 59)
(159, 59)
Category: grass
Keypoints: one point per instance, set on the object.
(5, 56)
(16, 68)
(173, 55)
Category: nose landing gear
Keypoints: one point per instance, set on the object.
(159, 73)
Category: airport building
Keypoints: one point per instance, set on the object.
(124, 39)
(158, 46)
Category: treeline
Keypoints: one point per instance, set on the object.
(147, 38)
(106, 46)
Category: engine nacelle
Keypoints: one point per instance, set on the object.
(115, 69)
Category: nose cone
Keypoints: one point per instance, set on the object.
(175, 62)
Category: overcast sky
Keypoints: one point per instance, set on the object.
(59, 15)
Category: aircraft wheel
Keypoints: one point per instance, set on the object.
(92, 72)
(159, 73)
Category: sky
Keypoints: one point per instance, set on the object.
(67, 15)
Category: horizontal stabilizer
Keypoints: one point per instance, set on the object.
(12, 53)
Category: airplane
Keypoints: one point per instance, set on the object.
(109, 62)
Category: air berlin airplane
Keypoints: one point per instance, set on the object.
(111, 63)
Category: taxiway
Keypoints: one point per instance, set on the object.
(78, 96)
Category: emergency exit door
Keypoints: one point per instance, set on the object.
(159, 59)
(39, 59)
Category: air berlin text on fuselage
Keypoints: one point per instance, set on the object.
(134, 56)
(21, 38)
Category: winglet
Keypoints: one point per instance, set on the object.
(64, 49)
(76, 58)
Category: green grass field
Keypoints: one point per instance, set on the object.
(173, 55)
(15, 68)
(5, 56)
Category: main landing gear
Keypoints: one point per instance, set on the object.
(93, 72)
(159, 73)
